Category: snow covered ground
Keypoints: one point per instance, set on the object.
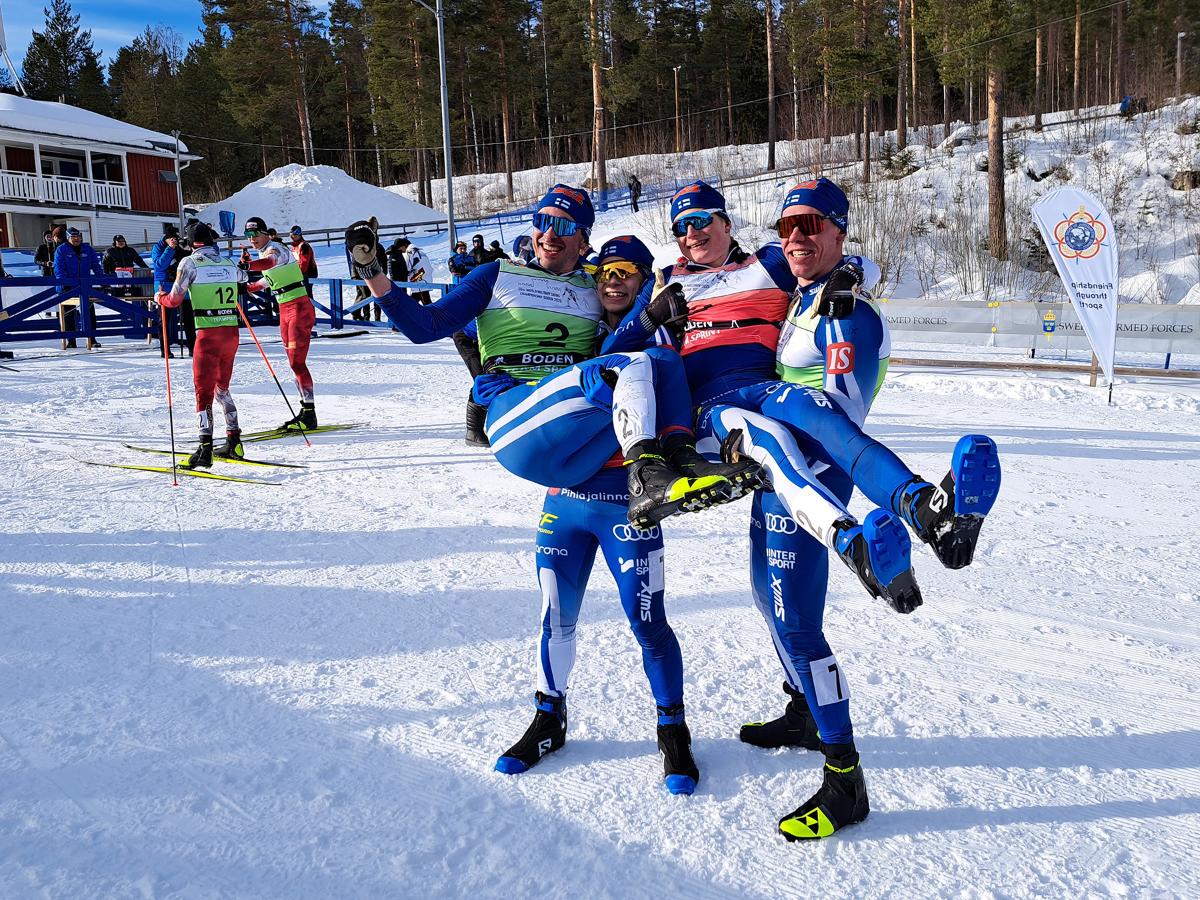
(224, 690)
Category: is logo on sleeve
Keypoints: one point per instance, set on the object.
(839, 358)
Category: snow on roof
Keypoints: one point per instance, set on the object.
(44, 117)
(315, 197)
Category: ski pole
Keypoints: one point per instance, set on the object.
(170, 407)
(242, 313)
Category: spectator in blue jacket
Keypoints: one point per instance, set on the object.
(165, 257)
(461, 263)
(72, 260)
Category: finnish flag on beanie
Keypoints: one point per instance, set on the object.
(822, 195)
(698, 195)
(575, 202)
(628, 248)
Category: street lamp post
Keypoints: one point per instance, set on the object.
(678, 121)
(440, 13)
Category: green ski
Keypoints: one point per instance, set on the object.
(224, 459)
(196, 473)
(274, 433)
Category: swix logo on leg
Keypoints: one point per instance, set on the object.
(645, 595)
(777, 594)
(839, 358)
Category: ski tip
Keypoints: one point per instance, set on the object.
(680, 784)
(510, 765)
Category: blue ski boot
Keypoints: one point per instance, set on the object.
(547, 733)
(948, 517)
(880, 553)
(675, 744)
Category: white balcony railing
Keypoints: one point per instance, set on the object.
(56, 189)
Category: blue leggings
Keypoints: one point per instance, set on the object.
(789, 575)
(826, 434)
(570, 531)
(561, 430)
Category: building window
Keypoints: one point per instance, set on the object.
(107, 167)
(62, 166)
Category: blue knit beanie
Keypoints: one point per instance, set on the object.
(575, 202)
(695, 197)
(822, 195)
(628, 248)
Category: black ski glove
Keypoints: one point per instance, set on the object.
(363, 246)
(840, 292)
(667, 305)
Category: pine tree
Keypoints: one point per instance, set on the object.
(62, 63)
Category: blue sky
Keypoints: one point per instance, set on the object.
(114, 23)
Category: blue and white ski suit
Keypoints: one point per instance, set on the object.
(789, 569)
(575, 522)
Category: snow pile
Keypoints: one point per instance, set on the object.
(315, 197)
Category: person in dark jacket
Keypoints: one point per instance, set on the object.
(496, 252)
(74, 260)
(44, 255)
(120, 256)
(479, 252)
(635, 190)
(397, 261)
(362, 292)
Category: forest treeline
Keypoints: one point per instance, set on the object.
(266, 82)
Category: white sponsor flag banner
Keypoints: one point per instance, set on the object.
(1082, 241)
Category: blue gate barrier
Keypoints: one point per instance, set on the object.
(104, 310)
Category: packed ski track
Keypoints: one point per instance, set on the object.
(234, 690)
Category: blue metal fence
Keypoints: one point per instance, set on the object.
(105, 311)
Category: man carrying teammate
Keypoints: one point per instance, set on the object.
(732, 305)
(575, 522)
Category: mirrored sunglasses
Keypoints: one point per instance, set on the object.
(562, 226)
(252, 232)
(618, 269)
(807, 224)
(697, 220)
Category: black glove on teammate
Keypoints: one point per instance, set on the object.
(666, 306)
(363, 246)
(841, 290)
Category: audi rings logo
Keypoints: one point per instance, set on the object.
(625, 532)
(778, 524)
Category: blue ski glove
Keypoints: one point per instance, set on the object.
(490, 385)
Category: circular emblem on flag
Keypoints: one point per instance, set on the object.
(1080, 236)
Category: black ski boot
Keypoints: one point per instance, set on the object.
(547, 733)
(476, 417)
(948, 517)
(879, 552)
(795, 728)
(305, 420)
(675, 744)
(232, 448)
(202, 457)
(841, 800)
(743, 474)
(656, 490)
